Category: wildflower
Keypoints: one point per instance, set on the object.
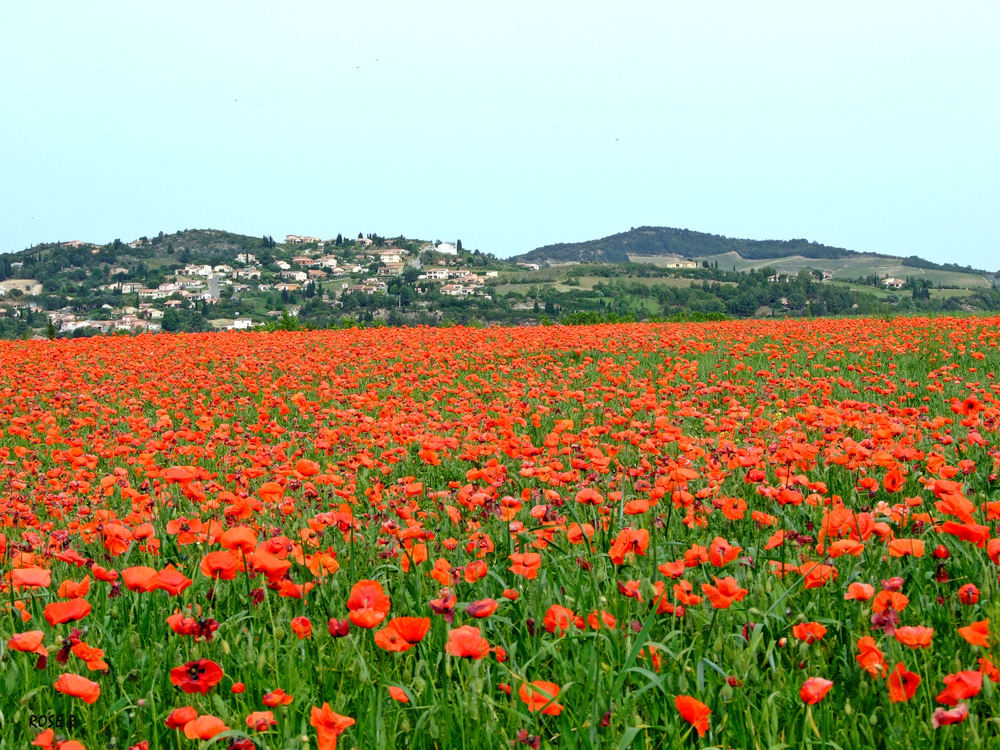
(181, 716)
(481, 608)
(539, 695)
(960, 686)
(261, 721)
(902, 684)
(30, 641)
(694, 712)
(724, 593)
(302, 627)
(204, 727)
(954, 716)
(810, 632)
(197, 676)
(70, 611)
(977, 634)
(79, 687)
(861, 592)
(276, 698)
(368, 604)
(467, 642)
(814, 690)
(914, 636)
(968, 594)
(329, 726)
(525, 564)
(338, 628)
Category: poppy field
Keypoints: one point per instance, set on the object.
(747, 534)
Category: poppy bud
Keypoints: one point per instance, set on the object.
(606, 719)
(530, 622)
(941, 552)
(782, 642)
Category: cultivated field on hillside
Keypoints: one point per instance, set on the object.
(749, 534)
(852, 267)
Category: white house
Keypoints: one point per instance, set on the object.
(436, 274)
(457, 290)
(242, 324)
(446, 248)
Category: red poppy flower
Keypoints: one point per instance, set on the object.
(181, 716)
(36, 578)
(724, 592)
(960, 686)
(810, 632)
(902, 684)
(539, 695)
(261, 721)
(302, 627)
(329, 726)
(69, 611)
(481, 608)
(79, 687)
(197, 676)
(172, 581)
(467, 642)
(870, 657)
(140, 578)
(221, 564)
(956, 715)
(814, 690)
(30, 641)
(204, 727)
(525, 564)
(914, 636)
(368, 604)
(694, 712)
(276, 698)
(977, 634)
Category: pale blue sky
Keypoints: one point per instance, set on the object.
(869, 125)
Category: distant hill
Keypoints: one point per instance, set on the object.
(651, 241)
(647, 244)
(206, 245)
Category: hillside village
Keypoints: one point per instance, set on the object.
(199, 280)
(300, 269)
